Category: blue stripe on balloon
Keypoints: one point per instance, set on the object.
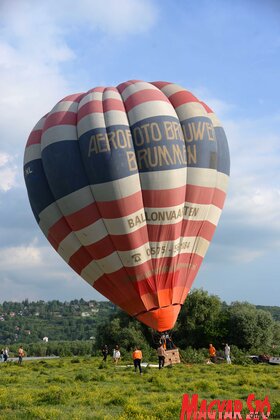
(223, 151)
(64, 168)
(159, 144)
(39, 193)
(154, 144)
(201, 140)
(105, 153)
(120, 151)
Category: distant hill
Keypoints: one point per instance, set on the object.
(274, 310)
(29, 322)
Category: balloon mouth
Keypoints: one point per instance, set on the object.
(161, 319)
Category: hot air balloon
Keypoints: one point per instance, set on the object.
(128, 183)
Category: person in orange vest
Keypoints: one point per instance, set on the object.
(137, 358)
(212, 353)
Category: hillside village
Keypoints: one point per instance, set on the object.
(34, 321)
(78, 320)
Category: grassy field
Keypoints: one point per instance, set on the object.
(84, 388)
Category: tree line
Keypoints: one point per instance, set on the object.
(30, 322)
(203, 319)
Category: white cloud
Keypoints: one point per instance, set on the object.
(245, 256)
(220, 107)
(41, 44)
(4, 158)
(20, 257)
(253, 198)
(36, 272)
(30, 79)
(8, 172)
(113, 17)
(254, 193)
(35, 43)
(252, 205)
(46, 285)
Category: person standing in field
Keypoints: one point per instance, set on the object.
(105, 353)
(21, 354)
(227, 354)
(137, 358)
(6, 354)
(212, 353)
(116, 355)
(161, 355)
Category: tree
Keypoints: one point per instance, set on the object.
(249, 327)
(120, 329)
(200, 321)
(276, 339)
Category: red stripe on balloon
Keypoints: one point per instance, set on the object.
(60, 118)
(58, 232)
(96, 106)
(161, 233)
(129, 205)
(160, 85)
(111, 104)
(161, 198)
(129, 241)
(192, 194)
(96, 89)
(121, 87)
(91, 213)
(219, 197)
(171, 273)
(34, 138)
(90, 108)
(142, 96)
(109, 244)
(123, 291)
(206, 107)
(53, 241)
(79, 260)
(76, 97)
(182, 97)
(84, 217)
(119, 290)
(123, 208)
(120, 208)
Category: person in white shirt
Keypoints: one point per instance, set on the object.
(116, 354)
(227, 354)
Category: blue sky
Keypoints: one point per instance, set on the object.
(225, 52)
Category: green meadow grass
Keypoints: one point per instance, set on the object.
(85, 389)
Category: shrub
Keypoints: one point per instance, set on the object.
(83, 377)
(116, 400)
(239, 357)
(41, 413)
(53, 395)
(58, 379)
(75, 360)
(191, 355)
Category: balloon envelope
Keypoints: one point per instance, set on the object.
(127, 183)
